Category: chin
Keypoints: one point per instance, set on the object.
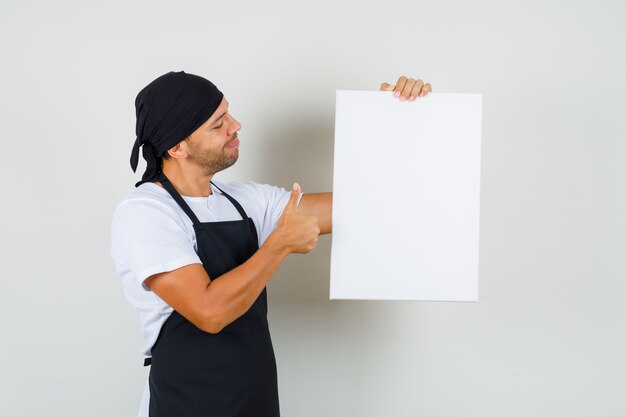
(233, 160)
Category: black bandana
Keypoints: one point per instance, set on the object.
(168, 110)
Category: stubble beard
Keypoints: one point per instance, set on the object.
(213, 162)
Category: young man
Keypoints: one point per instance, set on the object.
(194, 255)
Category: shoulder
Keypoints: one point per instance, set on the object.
(144, 224)
(249, 189)
(146, 204)
(141, 200)
(253, 194)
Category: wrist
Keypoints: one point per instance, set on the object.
(276, 246)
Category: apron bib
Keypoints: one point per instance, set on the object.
(228, 374)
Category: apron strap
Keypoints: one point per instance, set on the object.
(240, 209)
(182, 203)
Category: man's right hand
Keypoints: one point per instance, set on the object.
(296, 232)
(212, 305)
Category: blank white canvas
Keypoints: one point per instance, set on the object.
(406, 197)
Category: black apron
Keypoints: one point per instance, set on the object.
(228, 374)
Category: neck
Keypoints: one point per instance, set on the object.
(189, 182)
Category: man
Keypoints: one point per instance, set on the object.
(194, 255)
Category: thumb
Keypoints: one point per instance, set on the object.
(293, 199)
(387, 87)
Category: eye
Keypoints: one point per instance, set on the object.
(217, 127)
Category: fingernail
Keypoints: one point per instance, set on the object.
(396, 94)
(411, 98)
(421, 94)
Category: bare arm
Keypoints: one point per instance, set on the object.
(319, 205)
(213, 304)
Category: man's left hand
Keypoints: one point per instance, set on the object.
(407, 88)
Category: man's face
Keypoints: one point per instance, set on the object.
(214, 146)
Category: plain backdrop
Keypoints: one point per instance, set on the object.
(548, 335)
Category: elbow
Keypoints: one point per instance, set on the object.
(213, 329)
(211, 324)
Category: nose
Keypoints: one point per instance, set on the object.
(234, 126)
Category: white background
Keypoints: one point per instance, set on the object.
(548, 334)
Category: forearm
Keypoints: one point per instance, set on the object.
(230, 296)
(211, 303)
(319, 205)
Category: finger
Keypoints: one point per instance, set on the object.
(426, 89)
(416, 89)
(399, 86)
(293, 198)
(386, 87)
(406, 91)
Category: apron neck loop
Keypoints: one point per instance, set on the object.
(177, 197)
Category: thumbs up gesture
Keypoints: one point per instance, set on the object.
(297, 232)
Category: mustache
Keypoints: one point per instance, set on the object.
(232, 140)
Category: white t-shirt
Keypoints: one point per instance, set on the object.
(150, 233)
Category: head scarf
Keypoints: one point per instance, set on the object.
(168, 110)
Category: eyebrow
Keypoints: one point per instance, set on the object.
(218, 119)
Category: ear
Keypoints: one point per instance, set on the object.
(180, 150)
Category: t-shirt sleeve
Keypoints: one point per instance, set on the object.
(278, 199)
(148, 237)
(271, 201)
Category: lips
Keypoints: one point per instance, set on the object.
(233, 144)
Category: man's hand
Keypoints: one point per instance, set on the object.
(295, 231)
(407, 88)
(213, 304)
